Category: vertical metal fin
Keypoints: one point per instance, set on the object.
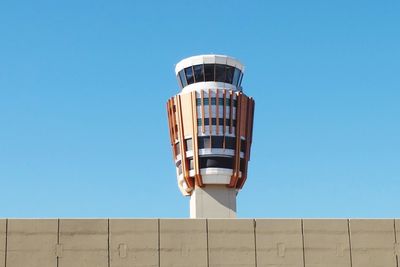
(231, 111)
(224, 111)
(202, 112)
(236, 164)
(249, 137)
(197, 176)
(182, 144)
(217, 111)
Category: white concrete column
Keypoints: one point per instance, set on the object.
(213, 201)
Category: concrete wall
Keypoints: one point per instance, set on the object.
(201, 242)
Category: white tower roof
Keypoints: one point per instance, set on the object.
(208, 59)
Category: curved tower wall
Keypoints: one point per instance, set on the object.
(211, 121)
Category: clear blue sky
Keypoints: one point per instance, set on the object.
(83, 87)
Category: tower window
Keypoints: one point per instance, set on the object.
(216, 162)
(213, 101)
(214, 122)
(198, 73)
(189, 75)
(240, 80)
(229, 74)
(183, 78)
(220, 73)
(204, 142)
(189, 144)
(209, 72)
(216, 142)
(236, 77)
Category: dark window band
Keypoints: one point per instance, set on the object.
(216, 162)
(214, 100)
(212, 162)
(218, 142)
(214, 122)
(210, 73)
(214, 141)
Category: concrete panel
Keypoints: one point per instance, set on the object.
(133, 242)
(83, 243)
(231, 242)
(32, 243)
(213, 201)
(2, 242)
(183, 242)
(397, 246)
(372, 243)
(326, 243)
(279, 243)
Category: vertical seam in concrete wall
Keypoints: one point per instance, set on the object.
(349, 234)
(302, 239)
(159, 241)
(255, 241)
(6, 245)
(395, 243)
(108, 242)
(208, 250)
(58, 238)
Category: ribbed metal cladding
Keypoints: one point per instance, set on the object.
(229, 110)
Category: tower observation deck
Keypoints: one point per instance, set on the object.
(210, 124)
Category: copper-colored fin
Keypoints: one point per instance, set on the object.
(182, 144)
(174, 124)
(197, 176)
(249, 133)
(209, 113)
(243, 115)
(217, 111)
(236, 164)
(169, 121)
(224, 111)
(170, 126)
(251, 121)
(231, 111)
(202, 112)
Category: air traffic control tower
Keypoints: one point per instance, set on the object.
(210, 124)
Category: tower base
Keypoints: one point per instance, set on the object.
(213, 201)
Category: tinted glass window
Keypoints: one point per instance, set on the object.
(183, 79)
(198, 73)
(230, 142)
(219, 73)
(236, 77)
(217, 141)
(229, 74)
(189, 75)
(214, 122)
(179, 81)
(204, 142)
(189, 145)
(240, 80)
(209, 72)
(216, 162)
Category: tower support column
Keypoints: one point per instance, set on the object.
(213, 201)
